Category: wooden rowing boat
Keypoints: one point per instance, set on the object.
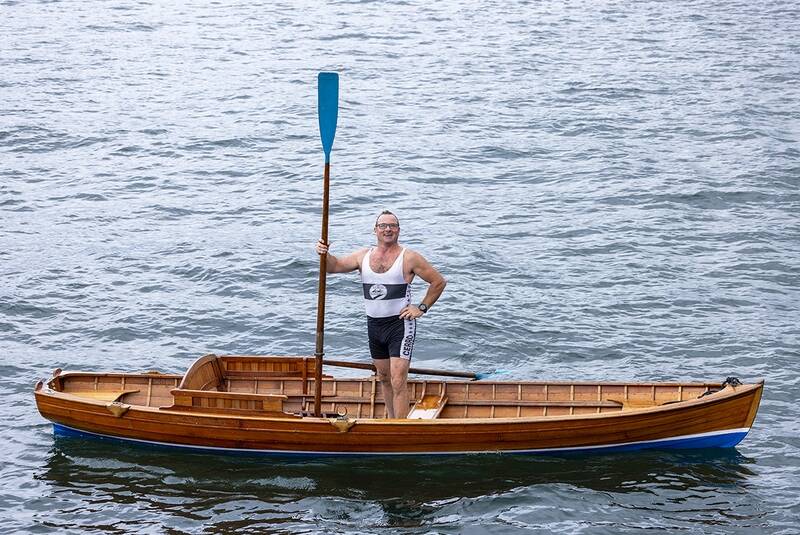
(264, 404)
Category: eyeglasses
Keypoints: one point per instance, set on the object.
(384, 226)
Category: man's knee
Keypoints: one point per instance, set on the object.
(383, 376)
(399, 382)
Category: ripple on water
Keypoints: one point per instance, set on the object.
(611, 194)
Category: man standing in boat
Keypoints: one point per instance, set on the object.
(387, 271)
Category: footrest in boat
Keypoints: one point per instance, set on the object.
(428, 408)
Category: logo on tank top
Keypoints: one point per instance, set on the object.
(378, 291)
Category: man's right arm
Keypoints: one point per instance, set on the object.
(344, 264)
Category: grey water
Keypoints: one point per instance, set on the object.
(610, 188)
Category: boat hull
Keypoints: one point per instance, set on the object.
(718, 420)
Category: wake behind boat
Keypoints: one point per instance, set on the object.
(264, 404)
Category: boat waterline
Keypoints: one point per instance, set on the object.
(715, 439)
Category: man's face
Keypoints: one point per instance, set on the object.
(390, 231)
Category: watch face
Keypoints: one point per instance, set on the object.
(423, 307)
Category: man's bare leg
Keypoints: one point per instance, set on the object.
(399, 370)
(384, 370)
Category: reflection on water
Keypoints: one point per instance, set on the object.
(398, 491)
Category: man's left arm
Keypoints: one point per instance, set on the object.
(420, 267)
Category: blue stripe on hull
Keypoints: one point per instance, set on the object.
(718, 439)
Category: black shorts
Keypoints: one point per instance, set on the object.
(391, 337)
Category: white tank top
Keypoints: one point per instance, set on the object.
(385, 294)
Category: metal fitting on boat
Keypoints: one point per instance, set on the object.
(117, 409)
(342, 424)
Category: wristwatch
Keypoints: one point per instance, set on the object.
(422, 307)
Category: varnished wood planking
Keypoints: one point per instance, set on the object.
(394, 436)
(507, 415)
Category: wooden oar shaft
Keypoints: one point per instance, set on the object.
(323, 269)
(420, 371)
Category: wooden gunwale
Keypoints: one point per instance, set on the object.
(695, 384)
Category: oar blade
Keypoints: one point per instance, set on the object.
(328, 107)
(480, 376)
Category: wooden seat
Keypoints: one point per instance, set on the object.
(204, 374)
(102, 395)
(227, 402)
(266, 367)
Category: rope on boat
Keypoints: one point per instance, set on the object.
(729, 381)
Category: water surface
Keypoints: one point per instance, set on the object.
(610, 189)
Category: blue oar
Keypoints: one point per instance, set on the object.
(479, 376)
(328, 109)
